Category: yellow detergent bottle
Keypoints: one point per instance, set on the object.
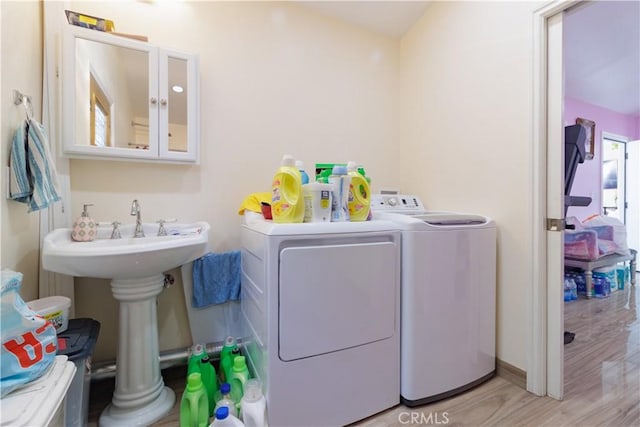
(287, 199)
(359, 194)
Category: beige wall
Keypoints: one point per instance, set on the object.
(466, 74)
(275, 78)
(22, 70)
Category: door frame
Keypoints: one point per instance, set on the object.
(545, 346)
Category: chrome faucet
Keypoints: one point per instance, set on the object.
(135, 211)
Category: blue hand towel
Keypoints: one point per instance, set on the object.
(33, 177)
(216, 279)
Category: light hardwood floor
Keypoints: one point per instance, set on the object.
(602, 380)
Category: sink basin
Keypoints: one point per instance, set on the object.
(135, 267)
(128, 257)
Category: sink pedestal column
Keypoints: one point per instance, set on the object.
(140, 397)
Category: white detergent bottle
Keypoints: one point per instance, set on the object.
(253, 406)
(225, 419)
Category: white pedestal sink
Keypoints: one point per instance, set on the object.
(135, 267)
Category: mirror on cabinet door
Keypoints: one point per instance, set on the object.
(128, 99)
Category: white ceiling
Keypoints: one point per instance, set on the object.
(392, 18)
(602, 44)
(602, 55)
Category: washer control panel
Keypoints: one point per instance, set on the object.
(402, 203)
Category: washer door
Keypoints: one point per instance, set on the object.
(335, 297)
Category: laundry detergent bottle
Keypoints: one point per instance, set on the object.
(287, 199)
(253, 406)
(359, 194)
(226, 359)
(210, 381)
(239, 372)
(194, 405)
(197, 353)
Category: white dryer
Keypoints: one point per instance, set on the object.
(448, 299)
(320, 303)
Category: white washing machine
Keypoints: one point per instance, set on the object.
(448, 299)
(321, 304)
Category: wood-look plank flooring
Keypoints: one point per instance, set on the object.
(602, 381)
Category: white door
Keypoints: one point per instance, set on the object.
(555, 208)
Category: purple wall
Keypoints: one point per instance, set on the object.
(588, 176)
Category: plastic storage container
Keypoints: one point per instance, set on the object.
(287, 200)
(78, 343)
(41, 402)
(54, 309)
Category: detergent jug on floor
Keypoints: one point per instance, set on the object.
(287, 201)
(194, 406)
(210, 381)
(197, 353)
(225, 419)
(239, 371)
(359, 194)
(226, 360)
(253, 406)
(226, 400)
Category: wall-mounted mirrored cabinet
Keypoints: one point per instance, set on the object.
(126, 99)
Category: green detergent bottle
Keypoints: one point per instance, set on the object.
(197, 353)
(226, 360)
(239, 371)
(210, 381)
(194, 405)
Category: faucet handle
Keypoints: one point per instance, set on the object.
(161, 230)
(115, 234)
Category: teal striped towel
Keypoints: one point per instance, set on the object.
(33, 177)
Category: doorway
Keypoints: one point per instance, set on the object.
(545, 371)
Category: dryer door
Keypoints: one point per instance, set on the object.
(334, 297)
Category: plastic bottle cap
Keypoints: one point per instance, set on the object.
(197, 349)
(222, 413)
(225, 388)
(288, 160)
(352, 166)
(194, 381)
(339, 170)
(230, 341)
(239, 363)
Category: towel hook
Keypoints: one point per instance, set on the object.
(25, 100)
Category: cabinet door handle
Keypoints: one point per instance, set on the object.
(163, 102)
(154, 101)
